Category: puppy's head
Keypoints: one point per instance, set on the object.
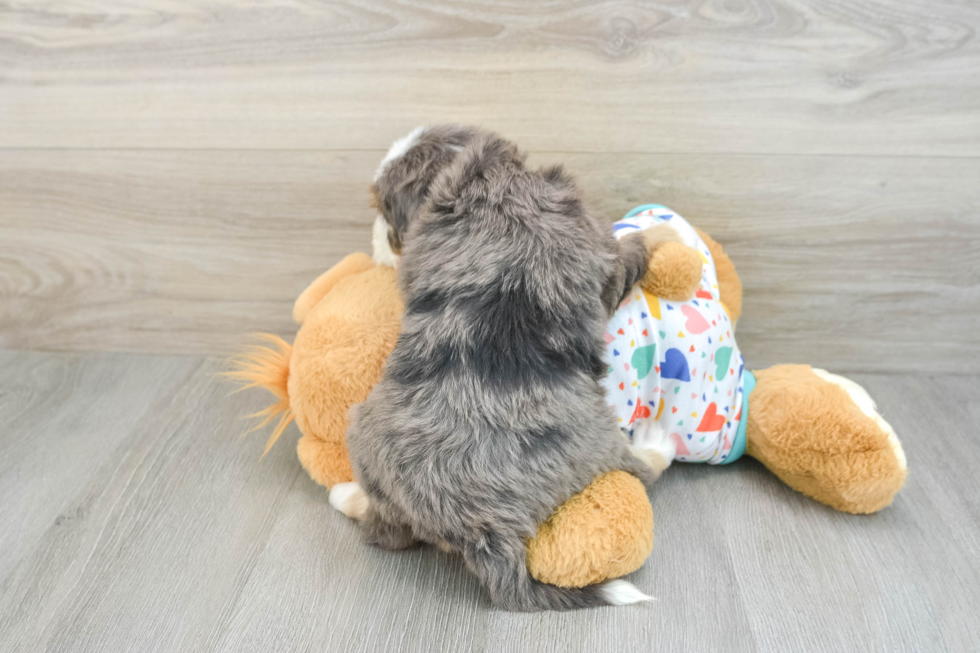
(402, 181)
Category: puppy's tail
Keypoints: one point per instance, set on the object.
(610, 592)
(500, 564)
(266, 367)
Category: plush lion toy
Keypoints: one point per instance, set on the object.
(817, 432)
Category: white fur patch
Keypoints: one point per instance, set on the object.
(398, 148)
(349, 499)
(380, 247)
(620, 592)
(653, 445)
(867, 405)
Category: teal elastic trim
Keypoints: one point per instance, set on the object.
(738, 447)
(642, 208)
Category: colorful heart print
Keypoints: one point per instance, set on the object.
(642, 360)
(695, 321)
(722, 358)
(674, 366)
(711, 421)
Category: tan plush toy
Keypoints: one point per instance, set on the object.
(817, 432)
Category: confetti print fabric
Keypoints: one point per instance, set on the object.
(676, 362)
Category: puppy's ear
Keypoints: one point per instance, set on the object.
(557, 177)
(477, 161)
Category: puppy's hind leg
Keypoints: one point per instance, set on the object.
(385, 534)
(500, 563)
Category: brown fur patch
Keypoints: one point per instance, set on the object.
(674, 271)
(811, 434)
(337, 359)
(605, 531)
(351, 264)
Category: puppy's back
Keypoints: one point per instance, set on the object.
(503, 274)
(489, 413)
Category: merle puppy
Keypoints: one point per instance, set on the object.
(490, 413)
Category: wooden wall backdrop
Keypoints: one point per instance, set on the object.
(172, 173)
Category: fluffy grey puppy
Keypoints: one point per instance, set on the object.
(490, 413)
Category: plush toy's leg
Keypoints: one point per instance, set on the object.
(351, 264)
(603, 532)
(821, 435)
(325, 460)
(729, 285)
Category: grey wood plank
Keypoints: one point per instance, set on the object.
(180, 538)
(162, 534)
(320, 588)
(167, 251)
(62, 417)
(897, 580)
(767, 76)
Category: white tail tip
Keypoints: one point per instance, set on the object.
(620, 592)
(349, 499)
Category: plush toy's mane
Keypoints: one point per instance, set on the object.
(266, 367)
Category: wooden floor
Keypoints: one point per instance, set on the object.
(173, 173)
(135, 518)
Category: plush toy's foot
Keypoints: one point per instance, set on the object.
(673, 273)
(326, 462)
(821, 435)
(603, 532)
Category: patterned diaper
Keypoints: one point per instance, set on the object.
(677, 362)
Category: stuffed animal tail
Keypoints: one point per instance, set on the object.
(266, 367)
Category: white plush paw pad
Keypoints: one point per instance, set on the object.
(349, 499)
(867, 405)
(620, 592)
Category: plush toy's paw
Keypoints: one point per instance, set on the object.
(822, 436)
(674, 272)
(603, 532)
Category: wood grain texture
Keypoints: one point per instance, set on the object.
(188, 251)
(169, 533)
(721, 76)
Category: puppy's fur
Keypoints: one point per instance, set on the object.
(489, 413)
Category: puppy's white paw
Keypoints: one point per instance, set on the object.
(620, 592)
(653, 445)
(349, 499)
